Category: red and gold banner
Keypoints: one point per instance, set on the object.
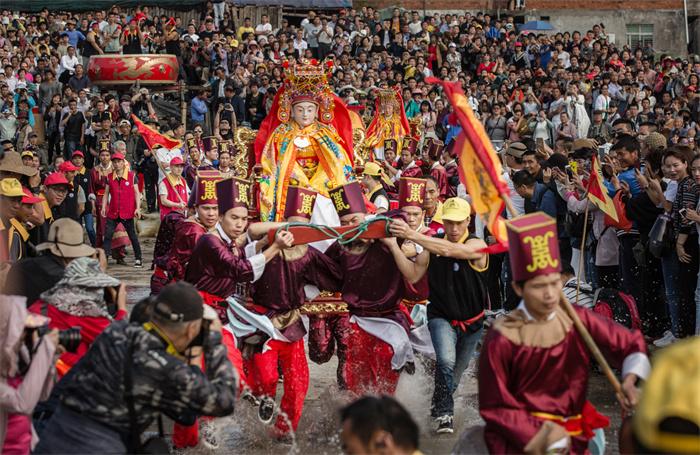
(153, 137)
(598, 193)
(479, 166)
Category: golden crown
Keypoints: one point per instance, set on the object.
(307, 81)
(389, 95)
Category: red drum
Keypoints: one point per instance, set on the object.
(120, 70)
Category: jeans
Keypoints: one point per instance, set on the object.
(631, 274)
(453, 349)
(89, 221)
(672, 275)
(219, 12)
(69, 148)
(111, 225)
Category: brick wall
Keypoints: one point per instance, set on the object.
(483, 5)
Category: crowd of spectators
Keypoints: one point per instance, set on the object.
(538, 96)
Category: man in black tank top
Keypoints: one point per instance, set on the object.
(458, 297)
(172, 46)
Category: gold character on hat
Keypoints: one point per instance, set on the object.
(338, 201)
(414, 195)
(242, 192)
(209, 189)
(541, 256)
(306, 203)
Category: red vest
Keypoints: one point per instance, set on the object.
(122, 196)
(180, 189)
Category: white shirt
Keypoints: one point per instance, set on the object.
(68, 63)
(264, 28)
(163, 190)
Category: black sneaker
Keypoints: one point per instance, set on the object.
(266, 410)
(121, 261)
(445, 424)
(138, 264)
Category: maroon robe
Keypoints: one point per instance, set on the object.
(187, 233)
(517, 379)
(161, 250)
(372, 284)
(191, 175)
(452, 172)
(412, 172)
(443, 187)
(216, 267)
(280, 289)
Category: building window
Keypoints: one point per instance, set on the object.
(640, 32)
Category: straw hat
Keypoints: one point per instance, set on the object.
(12, 162)
(66, 240)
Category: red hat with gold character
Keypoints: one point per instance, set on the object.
(104, 145)
(224, 147)
(410, 143)
(533, 246)
(210, 143)
(347, 198)
(435, 148)
(300, 202)
(233, 192)
(391, 145)
(411, 192)
(205, 187)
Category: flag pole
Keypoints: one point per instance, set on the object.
(580, 261)
(582, 330)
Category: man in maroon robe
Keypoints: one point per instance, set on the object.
(210, 147)
(190, 230)
(194, 161)
(162, 247)
(373, 288)
(409, 167)
(218, 263)
(98, 176)
(278, 295)
(533, 371)
(449, 157)
(435, 148)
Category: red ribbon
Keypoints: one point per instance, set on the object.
(463, 324)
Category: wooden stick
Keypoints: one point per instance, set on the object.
(582, 330)
(580, 261)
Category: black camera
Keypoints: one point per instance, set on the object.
(68, 338)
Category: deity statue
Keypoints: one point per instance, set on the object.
(306, 140)
(389, 122)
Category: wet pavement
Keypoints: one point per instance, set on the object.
(243, 433)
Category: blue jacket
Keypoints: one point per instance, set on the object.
(550, 203)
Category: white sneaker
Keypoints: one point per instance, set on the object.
(667, 335)
(665, 341)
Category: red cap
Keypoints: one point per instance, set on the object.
(205, 187)
(232, 192)
(77, 152)
(347, 198)
(67, 166)
(533, 246)
(57, 178)
(518, 44)
(30, 198)
(585, 38)
(300, 202)
(411, 192)
(177, 161)
(117, 156)
(171, 21)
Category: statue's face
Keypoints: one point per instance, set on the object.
(388, 110)
(305, 113)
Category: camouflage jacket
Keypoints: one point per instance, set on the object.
(162, 382)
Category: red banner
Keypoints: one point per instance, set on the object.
(153, 138)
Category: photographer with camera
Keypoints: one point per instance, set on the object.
(26, 372)
(134, 372)
(85, 298)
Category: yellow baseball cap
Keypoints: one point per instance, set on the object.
(372, 169)
(11, 188)
(671, 401)
(455, 209)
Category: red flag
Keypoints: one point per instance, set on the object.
(598, 193)
(479, 166)
(153, 137)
